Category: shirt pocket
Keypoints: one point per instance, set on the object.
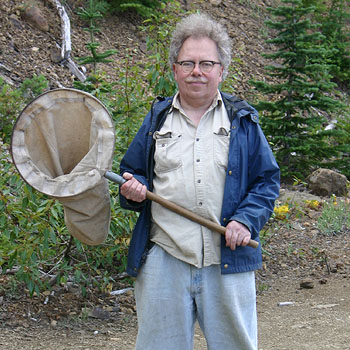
(221, 144)
(167, 155)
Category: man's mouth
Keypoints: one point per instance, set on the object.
(195, 82)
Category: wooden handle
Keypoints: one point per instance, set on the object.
(192, 216)
(177, 209)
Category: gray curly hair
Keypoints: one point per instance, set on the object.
(200, 25)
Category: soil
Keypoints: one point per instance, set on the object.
(26, 50)
(303, 297)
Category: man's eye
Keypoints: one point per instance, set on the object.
(187, 64)
(206, 64)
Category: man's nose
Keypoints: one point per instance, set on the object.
(196, 69)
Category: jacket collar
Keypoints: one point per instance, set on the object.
(235, 107)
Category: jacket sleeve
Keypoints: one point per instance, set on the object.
(257, 200)
(135, 162)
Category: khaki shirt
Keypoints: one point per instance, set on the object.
(190, 169)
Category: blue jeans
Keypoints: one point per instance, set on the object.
(171, 295)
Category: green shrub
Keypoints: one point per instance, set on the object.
(158, 29)
(34, 240)
(143, 7)
(12, 101)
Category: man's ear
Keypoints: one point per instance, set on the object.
(221, 73)
(174, 71)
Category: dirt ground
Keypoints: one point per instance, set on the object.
(296, 255)
(317, 318)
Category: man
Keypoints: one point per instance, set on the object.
(205, 151)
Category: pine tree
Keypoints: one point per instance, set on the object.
(334, 28)
(145, 8)
(91, 14)
(294, 117)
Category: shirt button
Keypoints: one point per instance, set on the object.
(225, 266)
(200, 203)
(230, 172)
(233, 127)
(197, 139)
(199, 181)
(198, 160)
(225, 219)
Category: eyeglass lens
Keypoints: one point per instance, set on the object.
(204, 66)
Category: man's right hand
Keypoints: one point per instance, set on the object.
(133, 189)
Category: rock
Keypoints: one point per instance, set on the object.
(297, 226)
(7, 80)
(56, 55)
(34, 16)
(215, 2)
(100, 313)
(285, 303)
(307, 284)
(15, 21)
(325, 182)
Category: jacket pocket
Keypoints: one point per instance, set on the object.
(221, 143)
(168, 151)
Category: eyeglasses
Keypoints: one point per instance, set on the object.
(204, 66)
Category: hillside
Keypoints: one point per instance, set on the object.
(27, 50)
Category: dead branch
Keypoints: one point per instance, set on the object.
(66, 47)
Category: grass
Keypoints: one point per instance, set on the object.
(335, 217)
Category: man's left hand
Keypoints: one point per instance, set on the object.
(236, 234)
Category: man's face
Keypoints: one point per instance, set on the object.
(198, 88)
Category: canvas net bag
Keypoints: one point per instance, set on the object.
(62, 145)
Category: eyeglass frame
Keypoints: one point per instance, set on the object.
(199, 64)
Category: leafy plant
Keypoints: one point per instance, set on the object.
(35, 243)
(335, 217)
(12, 101)
(28, 222)
(158, 30)
(233, 76)
(131, 102)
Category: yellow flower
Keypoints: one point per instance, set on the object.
(313, 204)
(281, 212)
